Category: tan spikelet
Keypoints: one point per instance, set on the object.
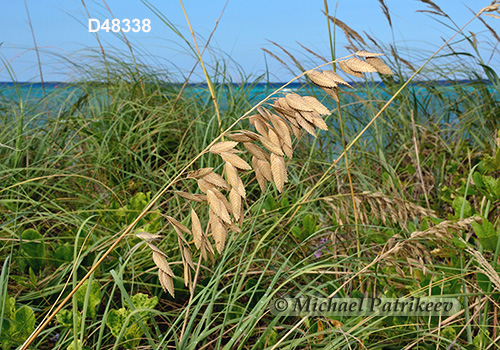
(318, 106)
(379, 65)
(162, 263)
(235, 199)
(146, 236)
(188, 257)
(256, 151)
(235, 161)
(265, 168)
(196, 229)
(177, 224)
(234, 179)
(166, 282)
(197, 174)
(204, 185)
(224, 200)
(307, 116)
(258, 174)
(222, 146)
(216, 180)
(321, 79)
(273, 137)
(259, 123)
(305, 125)
(217, 206)
(295, 101)
(336, 78)
(193, 197)
(320, 123)
(364, 53)
(279, 171)
(359, 65)
(243, 136)
(271, 146)
(332, 93)
(346, 69)
(219, 233)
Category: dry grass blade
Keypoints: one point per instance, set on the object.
(193, 197)
(295, 101)
(336, 78)
(222, 147)
(359, 65)
(243, 136)
(235, 160)
(196, 229)
(197, 174)
(346, 69)
(379, 65)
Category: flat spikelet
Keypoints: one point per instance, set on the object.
(379, 65)
(218, 207)
(364, 53)
(271, 146)
(279, 171)
(346, 69)
(200, 198)
(359, 65)
(295, 101)
(336, 78)
(317, 106)
(222, 147)
(216, 180)
(256, 151)
(235, 161)
(321, 79)
(198, 174)
(243, 136)
(196, 229)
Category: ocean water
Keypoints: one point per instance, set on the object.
(432, 97)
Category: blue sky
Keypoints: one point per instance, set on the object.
(61, 31)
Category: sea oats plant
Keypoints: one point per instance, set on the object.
(267, 145)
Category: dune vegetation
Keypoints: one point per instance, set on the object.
(138, 212)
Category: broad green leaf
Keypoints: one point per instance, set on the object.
(457, 204)
(33, 248)
(486, 234)
(95, 297)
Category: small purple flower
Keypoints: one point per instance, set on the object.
(321, 247)
(55, 338)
